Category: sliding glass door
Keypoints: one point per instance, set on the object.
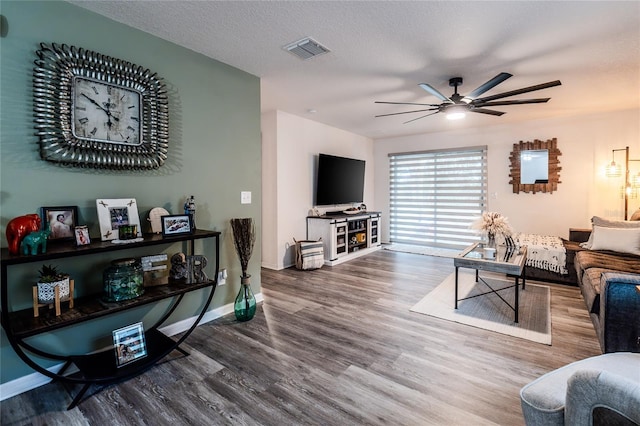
(436, 195)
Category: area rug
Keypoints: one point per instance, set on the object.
(489, 312)
(428, 251)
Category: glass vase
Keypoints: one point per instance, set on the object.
(491, 240)
(245, 305)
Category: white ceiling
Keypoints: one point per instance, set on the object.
(381, 50)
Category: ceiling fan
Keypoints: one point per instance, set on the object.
(457, 105)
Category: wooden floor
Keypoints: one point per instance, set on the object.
(335, 346)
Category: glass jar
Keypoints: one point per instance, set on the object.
(245, 304)
(123, 280)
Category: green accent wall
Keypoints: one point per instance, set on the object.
(214, 154)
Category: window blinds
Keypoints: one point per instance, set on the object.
(436, 195)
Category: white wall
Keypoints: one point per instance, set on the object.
(585, 142)
(291, 145)
(269, 189)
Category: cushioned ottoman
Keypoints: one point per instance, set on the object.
(543, 400)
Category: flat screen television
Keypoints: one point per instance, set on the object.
(339, 180)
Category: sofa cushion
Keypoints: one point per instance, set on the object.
(600, 221)
(615, 261)
(623, 240)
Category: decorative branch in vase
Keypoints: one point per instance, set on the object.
(244, 238)
(492, 224)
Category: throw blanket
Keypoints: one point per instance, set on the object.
(610, 261)
(544, 252)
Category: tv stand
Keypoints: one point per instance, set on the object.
(345, 236)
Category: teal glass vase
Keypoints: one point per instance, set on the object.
(245, 305)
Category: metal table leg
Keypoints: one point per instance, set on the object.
(456, 287)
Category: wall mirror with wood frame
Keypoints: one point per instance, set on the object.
(535, 166)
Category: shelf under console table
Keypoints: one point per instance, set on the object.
(101, 367)
(346, 236)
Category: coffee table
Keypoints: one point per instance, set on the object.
(508, 260)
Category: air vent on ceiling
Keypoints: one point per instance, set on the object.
(306, 48)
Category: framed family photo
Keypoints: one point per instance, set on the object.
(82, 235)
(178, 224)
(129, 344)
(113, 213)
(61, 221)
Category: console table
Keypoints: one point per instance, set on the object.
(101, 367)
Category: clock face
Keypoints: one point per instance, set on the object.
(105, 112)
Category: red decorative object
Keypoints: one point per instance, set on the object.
(18, 228)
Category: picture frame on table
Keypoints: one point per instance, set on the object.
(82, 235)
(113, 213)
(177, 224)
(61, 221)
(129, 344)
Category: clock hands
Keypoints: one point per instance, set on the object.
(109, 115)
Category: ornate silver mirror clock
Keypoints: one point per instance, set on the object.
(92, 110)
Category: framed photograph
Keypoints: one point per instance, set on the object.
(178, 224)
(129, 344)
(82, 235)
(61, 221)
(115, 213)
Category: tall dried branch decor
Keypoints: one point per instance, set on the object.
(244, 237)
(493, 223)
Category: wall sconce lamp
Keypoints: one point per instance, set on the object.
(631, 184)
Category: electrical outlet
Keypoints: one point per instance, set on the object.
(222, 277)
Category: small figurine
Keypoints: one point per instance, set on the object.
(34, 240)
(18, 228)
(179, 270)
(190, 209)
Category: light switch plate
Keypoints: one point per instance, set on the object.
(245, 197)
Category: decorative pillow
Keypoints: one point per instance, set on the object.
(599, 221)
(635, 215)
(606, 223)
(623, 240)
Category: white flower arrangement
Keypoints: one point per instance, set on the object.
(493, 223)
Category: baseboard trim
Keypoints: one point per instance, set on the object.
(352, 256)
(35, 380)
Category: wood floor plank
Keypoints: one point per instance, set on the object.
(334, 346)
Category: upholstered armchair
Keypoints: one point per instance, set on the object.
(600, 390)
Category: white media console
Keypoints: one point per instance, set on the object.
(345, 236)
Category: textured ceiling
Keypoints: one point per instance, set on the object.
(381, 50)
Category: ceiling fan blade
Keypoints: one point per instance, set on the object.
(404, 103)
(514, 102)
(434, 92)
(407, 112)
(487, 111)
(420, 117)
(519, 91)
(488, 85)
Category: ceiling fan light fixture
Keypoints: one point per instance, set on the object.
(456, 112)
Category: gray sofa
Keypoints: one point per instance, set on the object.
(609, 285)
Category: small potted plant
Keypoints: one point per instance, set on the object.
(49, 279)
